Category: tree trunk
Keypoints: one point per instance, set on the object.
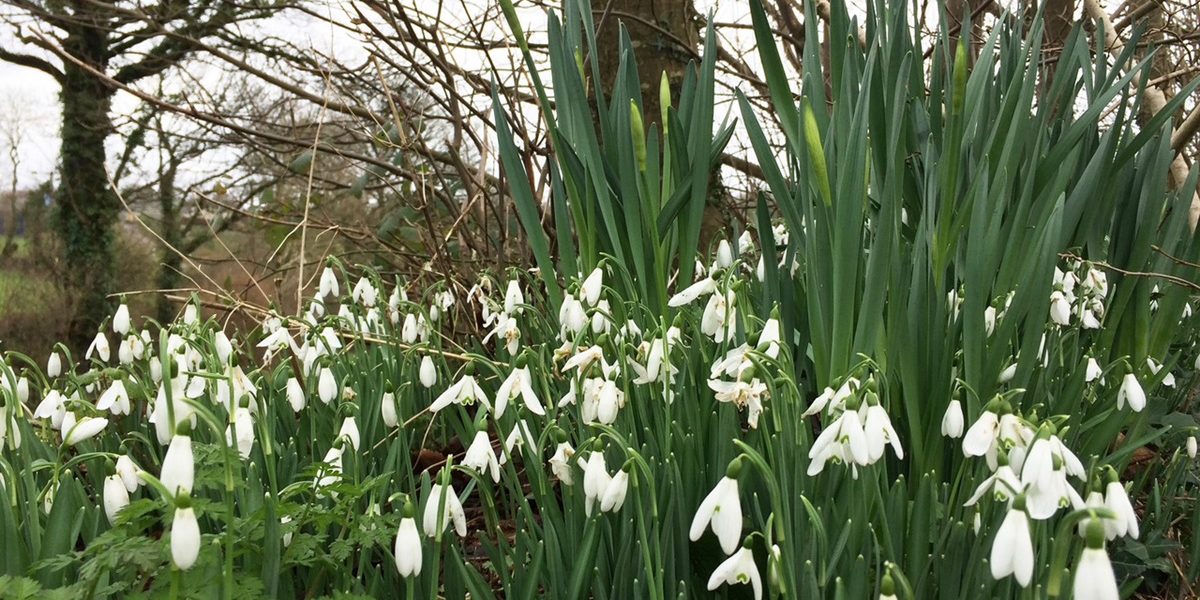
(87, 208)
(168, 274)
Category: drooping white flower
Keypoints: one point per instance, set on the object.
(719, 319)
(1003, 483)
(75, 431)
(877, 427)
(53, 365)
(841, 440)
(128, 472)
(481, 456)
(952, 420)
(99, 347)
(1044, 474)
(120, 320)
(722, 509)
(560, 463)
(1191, 446)
(295, 394)
(465, 391)
(349, 432)
(689, 294)
(746, 395)
(738, 569)
(387, 410)
(1092, 371)
(452, 511)
(326, 385)
(428, 372)
(832, 400)
(1131, 392)
(1155, 366)
(1012, 549)
(614, 493)
(223, 346)
(116, 497)
(1116, 499)
(191, 314)
(981, 436)
(1060, 309)
(518, 438)
(185, 538)
(591, 287)
(724, 258)
(328, 284)
(178, 466)
(1094, 577)
(514, 299)
(114, 399)
(595, 479)
(518, 383)
(408, 548)
(243, 437)
(364, 292)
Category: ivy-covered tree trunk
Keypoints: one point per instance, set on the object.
(86, 206)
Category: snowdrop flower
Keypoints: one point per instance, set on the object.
(1060, 309)
(244, 438)
(387, 410)
(408, 331)
(185, 538)
(1003, 483)
(689, 294)
(53, 365)
(722, 509)
(178, 466)
(518, 383)
(614, 493)
(989, 319)
(952, 420)
(481, 457)
(591, 287)
(364, 292)
(1094, 578)
(595, 479)
(877, 427)
(328, 284)
(53, 406)
(428, 372)
(720, 316)
(742, 394)
(514, 298)
(1191, 446)
(408, 546)
(1007, 374)
(843, 440)
(724, 258)
(980, 439)
(1116, 499)
(1155, 367)
(75, 431)
(508, 330)
(560, 463)
(452, 511)
(1092, 371)
(99, 347)
(349, 432)
(331, 471)
(115, 399)
(191, 314)
(116, 497)
(1131, 392)
(1047, 465)
(769, 336)
(745, 242)
(738, 569)
(326, 386)
(120, 321)
(572, 317)
(833, 400)
(517, 439)
(223, 347)
(295, 394)
(128, 473)
(1012, 549)
(464, 392)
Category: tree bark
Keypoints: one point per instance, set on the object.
(86, 206)
(168, 273)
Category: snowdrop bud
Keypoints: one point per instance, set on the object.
(428, 372)
(408, 546)
(387, 409)
(54, 365)
(329, 284)
(724, 255)
(185, 538)
(81, 430)
(178, 466)
(125, 352)
(120, 321)
(1191, 446)
(952, 421)
(295, 394)
(99, 347)
(349, 431)
(23, 389)
(128, 472)
(326, 386)
(190, 314)
(887, 588)
(223, 346)
(116, 497)
(156, 369)
(592, 286)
